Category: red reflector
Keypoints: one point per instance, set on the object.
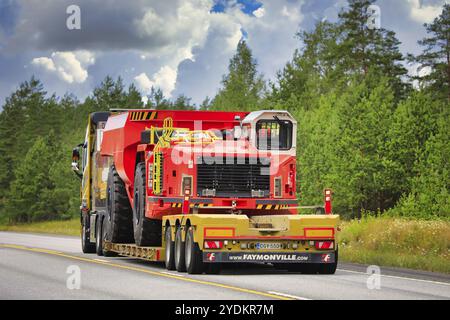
(213, 244)
(324, 245)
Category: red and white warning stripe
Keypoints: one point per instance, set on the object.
(323, 245)
(213, 244)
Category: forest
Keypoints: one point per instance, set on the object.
(375, 133)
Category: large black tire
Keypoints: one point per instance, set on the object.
(119, 213)
(193, 254)
(147, 232)
(99, 236)
(105, 237)
(180, 263)
(170, 249)
(86, 245)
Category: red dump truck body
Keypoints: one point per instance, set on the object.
(122, 141)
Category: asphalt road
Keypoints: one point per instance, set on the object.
(44, 267)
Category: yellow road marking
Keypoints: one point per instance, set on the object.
(156, 273)
(281, 294)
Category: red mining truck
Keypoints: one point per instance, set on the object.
(197, 189)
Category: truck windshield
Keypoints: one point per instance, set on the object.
(274, 134)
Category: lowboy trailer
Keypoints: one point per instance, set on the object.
(196, 189)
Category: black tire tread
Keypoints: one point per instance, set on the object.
(181, 265)
(121, 224)
(170, 265)
(86, 245)
(149, 231)
(196, 266)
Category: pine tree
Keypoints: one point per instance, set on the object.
(430, 192)
(436, 55)
(414, 122)
(367, 48)
(183, 102)
(206, 104)
(109, 95)
(365, 115)
(242, 87)
(133, 99)
(157, 100)
(28, 198)
(19, 125)
(311, 70)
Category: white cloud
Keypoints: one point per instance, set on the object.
(158, 39)
(271, 36)
(176, 31)
(259, 13)
(143, 82)
(292, 14)
(68, 66)
(45, 63)
(164, 79)
(423, 13)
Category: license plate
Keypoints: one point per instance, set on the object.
(268, 246)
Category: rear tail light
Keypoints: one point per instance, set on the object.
(213, 245)
(324, 245)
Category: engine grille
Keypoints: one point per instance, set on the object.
(233, 177)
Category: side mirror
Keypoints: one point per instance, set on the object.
(75, 160)
(75, 155)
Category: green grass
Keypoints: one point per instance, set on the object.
(65, 227)
(396, 242)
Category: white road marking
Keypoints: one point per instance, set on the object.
(287, 295)
(101, 260)
(396, 277)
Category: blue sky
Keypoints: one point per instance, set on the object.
(180, 46)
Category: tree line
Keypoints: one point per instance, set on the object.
(374, 133)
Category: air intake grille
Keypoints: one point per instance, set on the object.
(233, 177)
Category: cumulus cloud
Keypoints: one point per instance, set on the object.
(68, 66)
(180, 46)
(424, 13)
(269, 33)
(164, 79)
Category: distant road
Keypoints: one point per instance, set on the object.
(34, 267)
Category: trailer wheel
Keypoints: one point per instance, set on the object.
(98, 237)
(193, 254)
(170, 249)
(105, 236)
(86, 245)
(180, 264)
(119, 211)
(147, 232)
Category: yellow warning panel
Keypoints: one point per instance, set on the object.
(319, 232)
(219, 232)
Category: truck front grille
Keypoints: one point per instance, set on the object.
(233, 177)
